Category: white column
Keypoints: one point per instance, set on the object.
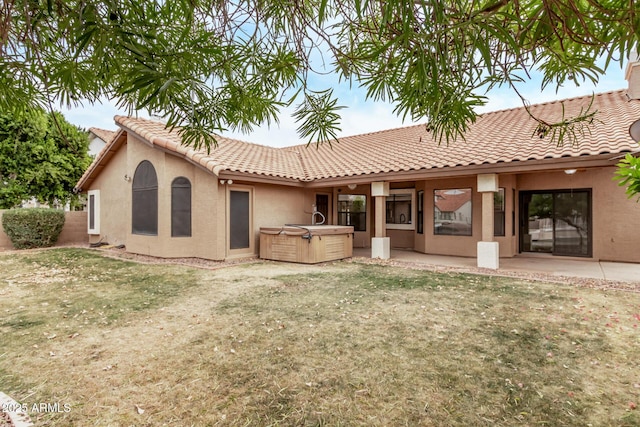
(380, 243)
(488, 251)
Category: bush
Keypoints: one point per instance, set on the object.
(33, 228)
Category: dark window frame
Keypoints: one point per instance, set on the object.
(524, 216)
(144, 200)
(396, 199)
(357, 219)
(420, 212)
(181, 207)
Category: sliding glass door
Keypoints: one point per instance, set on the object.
(556, 222)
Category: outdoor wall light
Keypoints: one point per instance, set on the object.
(230, 181)
(222, 182)
(570, 171)
(127, 178)
(634, 131)
(352, 186)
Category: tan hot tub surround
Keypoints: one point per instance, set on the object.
(307, 244)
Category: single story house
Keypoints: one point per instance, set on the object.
(501, 192)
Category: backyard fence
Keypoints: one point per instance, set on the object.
(74, 231)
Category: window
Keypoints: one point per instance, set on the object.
(420, 216)
(352, 210)
(498, 212)
(399, 208)
(144, 215)
(93, 217)
(452, 212)
(181, 207)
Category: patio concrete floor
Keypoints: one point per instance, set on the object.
(553, 266)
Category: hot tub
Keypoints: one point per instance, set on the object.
(308, 244)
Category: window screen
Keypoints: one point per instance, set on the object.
(239, 221)
(144, 215)
(92, 211)
(181, 207)
(93, 204)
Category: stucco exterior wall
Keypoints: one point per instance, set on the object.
(615, 218)
(115, 201)
(451, 245)
(465, 245)
(203, 242)
(272, 205)
(277, 206)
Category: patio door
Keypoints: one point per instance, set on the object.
(557, 222)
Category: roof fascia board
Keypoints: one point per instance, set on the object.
(102, 159)
(261, 179)
(544, 165)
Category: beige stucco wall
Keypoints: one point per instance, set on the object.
(464, 245)
(115, 201)
(278, 205)
(615, 218)
(272, 205)
(451, 245)
(205, 214)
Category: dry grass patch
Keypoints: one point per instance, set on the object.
(335, 344)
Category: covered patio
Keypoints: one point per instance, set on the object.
(551, 267)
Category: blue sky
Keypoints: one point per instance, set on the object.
(362, 116)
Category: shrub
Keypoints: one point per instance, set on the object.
(33, 228)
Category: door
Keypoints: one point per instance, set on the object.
(322, 206)
(556, 222)
(240, 220)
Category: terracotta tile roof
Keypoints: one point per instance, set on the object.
(230, 154)
(501, 138)
(103, 134)
(504, 136)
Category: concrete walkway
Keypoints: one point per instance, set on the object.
(552, 266)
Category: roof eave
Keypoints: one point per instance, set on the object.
(261, 179)
(101, 161)
(516, 166)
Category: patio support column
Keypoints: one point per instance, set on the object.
(488, 250)
(380, 243)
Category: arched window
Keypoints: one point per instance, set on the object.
(144, 207)
(181, 207)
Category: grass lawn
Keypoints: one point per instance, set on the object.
(108, 342)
